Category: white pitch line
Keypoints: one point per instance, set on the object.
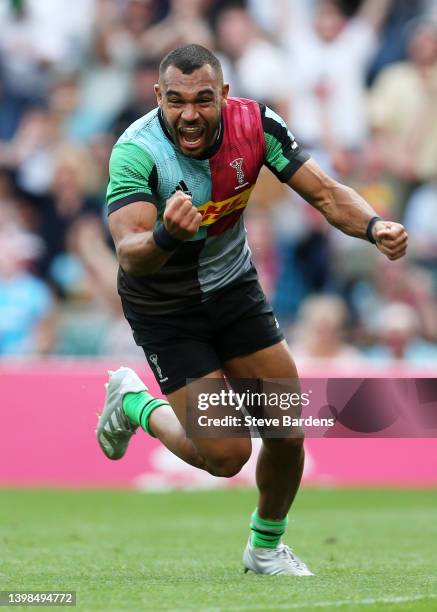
(369, 601)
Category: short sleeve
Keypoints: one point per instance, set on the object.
(132, 176)
(283, 154)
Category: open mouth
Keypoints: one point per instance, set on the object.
(191, 137)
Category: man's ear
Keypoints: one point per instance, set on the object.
(225, 93)
(158, 94)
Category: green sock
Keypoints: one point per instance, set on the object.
(266, 534)
(139, 406)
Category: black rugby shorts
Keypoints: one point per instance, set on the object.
(237, 320)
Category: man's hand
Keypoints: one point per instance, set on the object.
(391, 239)
(181, 218)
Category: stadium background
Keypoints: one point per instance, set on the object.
(362, 101)
(364, 104)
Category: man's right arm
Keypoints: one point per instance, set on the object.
(143, 247)
(132, 228)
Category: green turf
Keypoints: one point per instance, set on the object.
(182, 551)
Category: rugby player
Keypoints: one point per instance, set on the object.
(180, 179)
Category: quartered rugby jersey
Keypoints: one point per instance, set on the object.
(146, 166)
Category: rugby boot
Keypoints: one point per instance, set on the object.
(280, 561)
(114, 430)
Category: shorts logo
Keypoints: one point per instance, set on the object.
(154, 359)
(237, 164)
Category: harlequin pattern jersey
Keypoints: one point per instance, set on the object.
(146, 166)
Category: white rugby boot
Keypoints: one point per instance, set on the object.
(280, 561)
(114, 430)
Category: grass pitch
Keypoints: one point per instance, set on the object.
(371, 550)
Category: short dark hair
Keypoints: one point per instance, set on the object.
(190, 58)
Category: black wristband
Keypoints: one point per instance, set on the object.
(164, 239)
(369, 229)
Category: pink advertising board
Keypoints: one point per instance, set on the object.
(48, 418)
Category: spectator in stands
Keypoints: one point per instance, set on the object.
(29, 154)
(99, 149)
(37, 37)
(420, 221)
(393, 44)
(320, 333)
(262, 245)
(143, 99)
(88, 241)
(402, 109)
(26, 303)
(328, 60)
(105, 83)
(185, 23)
(67, 201)
(125, 23)
(12, 107)
(400, 337)
(254, 66)
(399, 283)
(137, 17)
(304, 256)
(64, 105)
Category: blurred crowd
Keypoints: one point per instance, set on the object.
(355, 80)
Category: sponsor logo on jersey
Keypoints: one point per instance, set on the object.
(237, 164)
(213, 211)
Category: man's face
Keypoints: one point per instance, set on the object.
(192, 105)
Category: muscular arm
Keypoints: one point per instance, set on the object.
(340, 205)
(132, 230)
(346, 210)
(133, 213)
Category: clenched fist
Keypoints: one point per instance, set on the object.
(181, 218)
(391, 239)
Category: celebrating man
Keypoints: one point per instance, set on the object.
(180, 179)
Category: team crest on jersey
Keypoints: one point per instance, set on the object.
(237, 164)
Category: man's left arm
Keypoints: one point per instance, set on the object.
(340, 205)
(346, 210)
